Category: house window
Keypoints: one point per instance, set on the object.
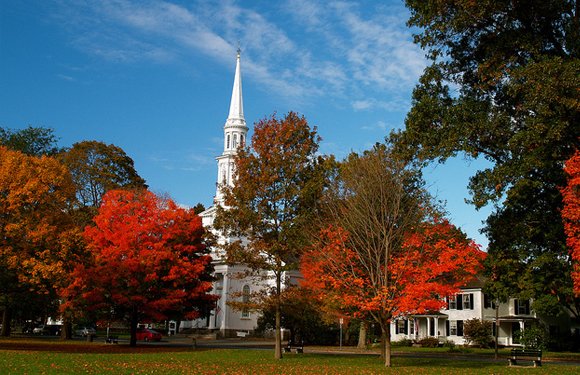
(522, 306)
(411, 326)
(219, 283)
(400, 326)
(468, 301)
(453, 327)
(488, 302)
(452, 303)
(246, 299)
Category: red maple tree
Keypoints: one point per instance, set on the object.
(149, 261)
(433, 262)
(571, 215)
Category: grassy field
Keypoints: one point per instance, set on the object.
(42, 357)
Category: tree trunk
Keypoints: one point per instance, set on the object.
(134, 322)
(278, 347)
(66, 333)
(386, 338)
(362, 335)
(6, 322)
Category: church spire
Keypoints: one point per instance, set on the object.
(237, 102)
(235, 134)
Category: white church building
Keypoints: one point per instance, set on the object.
(229, 285)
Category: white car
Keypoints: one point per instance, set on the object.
(85, 331)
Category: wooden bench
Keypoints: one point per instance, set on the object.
(298, 347)
(533, 355)
(112, 340)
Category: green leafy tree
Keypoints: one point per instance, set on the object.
(279, 179)
(534, 337)
(198, 208)
(478, 332)
(305, 317)
(503, 86)
(97, 168)
(31, 140)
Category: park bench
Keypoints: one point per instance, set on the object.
(298, 347)
(112, 340)
(533, 355)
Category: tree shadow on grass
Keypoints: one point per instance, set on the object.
(86, 347)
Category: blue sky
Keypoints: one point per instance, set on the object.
(155, 78)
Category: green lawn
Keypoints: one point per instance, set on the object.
(29, 357)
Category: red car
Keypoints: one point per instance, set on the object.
(147, 334)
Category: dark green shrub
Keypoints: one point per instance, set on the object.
(402, 342)
(478, 332)
(534, 337)
(429, 342)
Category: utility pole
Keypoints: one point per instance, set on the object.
(341, 321)
(496, 326)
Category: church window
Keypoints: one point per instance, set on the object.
(245, 299)
(228, 141)
(242, 139)
(235, 140)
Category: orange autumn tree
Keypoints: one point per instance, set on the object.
(149, 262)
(279, 179)
(35, 194)
(385, 253)
(571, 215)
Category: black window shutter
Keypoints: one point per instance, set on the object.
(527, 306)
(516, 307)
(486, 301)
(459, 302)
(447, 300)
(406, 326)
(460, 328)
(396, 327)
(471, 301)
(447, 327)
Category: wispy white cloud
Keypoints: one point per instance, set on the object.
(395, 103)
(300, 49)
(183, 161)
(66, 77)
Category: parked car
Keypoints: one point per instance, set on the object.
(48, 329)
(38, 330)
(146, 334)
(28, 327)
(85, 331)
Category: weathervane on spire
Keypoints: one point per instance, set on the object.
(239, 49)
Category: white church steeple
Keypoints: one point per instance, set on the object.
(236, 115)
(235, 134)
